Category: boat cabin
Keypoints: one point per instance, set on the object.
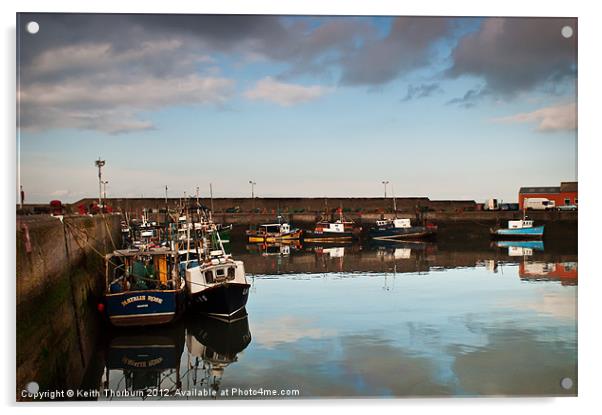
(217, 271)
(520, 224)
(396, 223)
(273, 228)
(336, 227)
(134, 270)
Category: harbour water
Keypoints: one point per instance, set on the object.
(411, 320)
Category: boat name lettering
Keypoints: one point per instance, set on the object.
(137, 298)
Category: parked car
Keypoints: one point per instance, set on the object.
(567, 207)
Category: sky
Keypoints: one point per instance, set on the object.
(445, 108)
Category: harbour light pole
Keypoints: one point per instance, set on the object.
(104, 190)
(385, 182)
(252, 183)
(99, 163)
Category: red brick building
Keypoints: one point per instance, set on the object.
(565, 194)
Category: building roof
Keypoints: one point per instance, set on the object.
(564, 187)
(568, 186)
(544, 189)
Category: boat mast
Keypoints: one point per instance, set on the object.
(394, 202)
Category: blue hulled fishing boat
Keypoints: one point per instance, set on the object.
(143, 287)
(521, 229)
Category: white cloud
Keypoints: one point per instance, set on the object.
(268, 89)
(555, 118)
(98, 87)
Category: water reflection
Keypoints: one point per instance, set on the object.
(212, 346)
(153, 362)
(411, 319)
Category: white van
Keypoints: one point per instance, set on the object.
(491, 204)
(539, 203)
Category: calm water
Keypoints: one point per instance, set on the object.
(411, 320)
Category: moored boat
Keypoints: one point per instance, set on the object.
(521, 229)
(274, 233)
(216, 283)
(143, 287)
(400, 229)
(333, 231)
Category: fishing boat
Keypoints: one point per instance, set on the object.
(143, 287)
(400, 229)
(216, 283)
(274, 233)
(205, 224)
(341, 230)
(521, 229)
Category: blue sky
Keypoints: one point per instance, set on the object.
(461, 108)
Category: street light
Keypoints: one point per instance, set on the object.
(99, 163)
(252, 183)
(104, 190)
(385, 182)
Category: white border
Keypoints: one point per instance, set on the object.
(589, 160)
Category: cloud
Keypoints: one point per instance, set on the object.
(408, 46)
(421, 91)
(285, 94)
(96, 86)
(515, 55)
(549, 119)
(287, 329)
(470, 97)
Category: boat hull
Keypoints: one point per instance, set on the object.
(144, 308)
(535, 232)
(224, 300)
(414, 232)
(328, 237)
(274, 238)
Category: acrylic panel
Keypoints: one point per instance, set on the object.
(292, 207)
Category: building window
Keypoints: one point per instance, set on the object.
(567, 201)
(575, 200)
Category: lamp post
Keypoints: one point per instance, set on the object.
(385, 182)
(252, 183)
(104, 190)
(99, 163)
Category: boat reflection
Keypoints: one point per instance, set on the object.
(520, 248)
(212, 346)
(146, 362)
(268, 249)
(565, 272)
(141, 361)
